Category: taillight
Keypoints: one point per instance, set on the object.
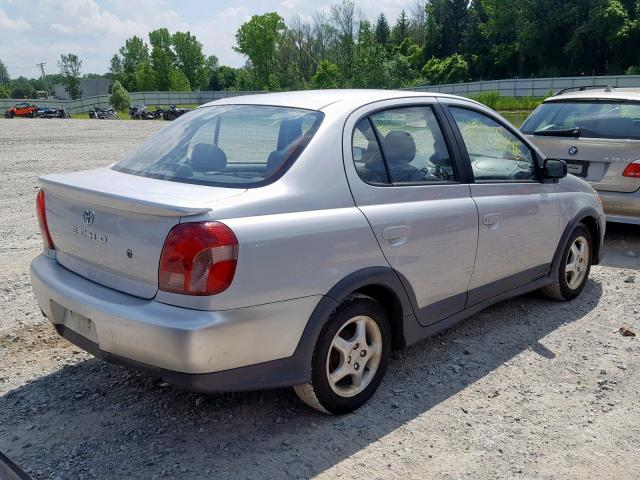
(632, 170)
(198, 259)
(41, 212)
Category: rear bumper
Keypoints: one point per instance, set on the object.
(237, 349)
(621, 207)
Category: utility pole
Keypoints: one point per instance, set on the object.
(44, 77)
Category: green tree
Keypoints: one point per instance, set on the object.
(145, 78)
(596, 45)
(4, 74)
(190, 59)
(5, 91)
(452, 69)
(326, 76)
(21, 87)
(178, 81)
(119, 98)
(223, 78)
(257, 39)
(382, 30)
(400, 29)
(343, 17)
(368, 59)
(69, 66)
(162, 58)
(127, 61)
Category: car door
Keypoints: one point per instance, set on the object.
(518, 213)
(406, 179)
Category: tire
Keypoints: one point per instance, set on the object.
(571, 281)
(171, 117)
(356, 321)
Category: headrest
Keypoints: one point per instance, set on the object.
(290, 131)
(206, 157)
(399, 148)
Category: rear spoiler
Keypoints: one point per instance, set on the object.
(62, 186)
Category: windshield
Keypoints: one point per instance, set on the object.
(593, 119)
(227, 145)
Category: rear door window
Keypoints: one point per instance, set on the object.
(367, 155)
(617, 120)
(402, 146)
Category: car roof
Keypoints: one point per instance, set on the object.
(321, 99)
(624, 94)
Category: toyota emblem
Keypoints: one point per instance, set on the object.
(573, 150)
(88, 216)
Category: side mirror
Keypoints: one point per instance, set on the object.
(358, 154)
(554, 168)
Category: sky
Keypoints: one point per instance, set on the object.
(35, 31)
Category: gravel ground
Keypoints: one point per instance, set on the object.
(529, 388)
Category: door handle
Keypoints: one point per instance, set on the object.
(492, 220)
(396, 235)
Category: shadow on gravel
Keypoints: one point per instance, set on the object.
(94, 420)
(622, 246)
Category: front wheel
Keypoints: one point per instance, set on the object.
(574, 266)
(349, 359)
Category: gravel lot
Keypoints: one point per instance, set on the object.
(530, 388)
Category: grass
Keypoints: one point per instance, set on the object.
(507, 104)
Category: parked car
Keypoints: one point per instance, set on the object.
(597, 131)
(173, 112)
(22, 110)
(295, 239)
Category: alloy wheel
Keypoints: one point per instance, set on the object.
(354, 356)
(577, 262)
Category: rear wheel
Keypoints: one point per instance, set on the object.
(574, 266)
(350, 357)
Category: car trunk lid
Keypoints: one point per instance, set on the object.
(110, 226)
(600, 161)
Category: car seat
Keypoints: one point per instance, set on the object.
(400, 151)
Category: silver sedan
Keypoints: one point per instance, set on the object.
(295, 239)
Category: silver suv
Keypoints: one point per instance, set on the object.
(295, 239)
(597, 131)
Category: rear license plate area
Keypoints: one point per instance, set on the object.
(74, 321)
(579, 169)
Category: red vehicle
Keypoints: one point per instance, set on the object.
(22, 110)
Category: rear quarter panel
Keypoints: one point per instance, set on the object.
(298, 236)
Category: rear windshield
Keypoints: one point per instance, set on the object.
(227, 145)
(594, 119)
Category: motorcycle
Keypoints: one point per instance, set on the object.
(59, 112)
(172, 112)
(140, 112)
(103, 113)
